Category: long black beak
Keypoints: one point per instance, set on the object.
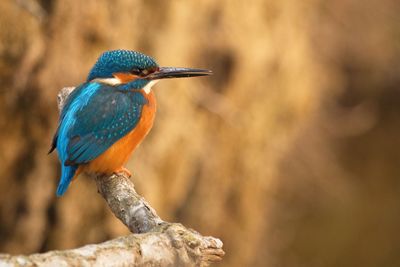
(171, 72)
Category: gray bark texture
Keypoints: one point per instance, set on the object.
(154, 242)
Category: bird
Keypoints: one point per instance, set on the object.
(105, 118)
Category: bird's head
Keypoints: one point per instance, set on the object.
(125, 66)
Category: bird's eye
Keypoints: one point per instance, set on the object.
(136, 71)
(142, 72)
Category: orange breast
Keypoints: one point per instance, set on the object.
(115, 157)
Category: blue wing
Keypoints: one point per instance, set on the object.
(109, 115)
(94, 117)
(71, 98)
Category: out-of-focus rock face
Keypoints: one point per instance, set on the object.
(288, 153)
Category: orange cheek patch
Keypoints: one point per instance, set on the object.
(125, 77)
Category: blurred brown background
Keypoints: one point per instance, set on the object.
(289, 153)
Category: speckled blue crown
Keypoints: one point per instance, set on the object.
(120, 61)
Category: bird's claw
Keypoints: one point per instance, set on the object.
(124, 171)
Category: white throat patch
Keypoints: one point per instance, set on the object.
(148, 86)
(116, 81)
(109, 81)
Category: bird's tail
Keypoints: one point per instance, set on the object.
(67, 173)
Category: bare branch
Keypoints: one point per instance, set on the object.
(140, 217)
(167, 248)
(126, 204)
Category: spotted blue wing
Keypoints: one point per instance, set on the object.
(108, 116)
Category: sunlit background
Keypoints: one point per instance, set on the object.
(289, 152)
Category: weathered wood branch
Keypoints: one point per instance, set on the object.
(154, 242)
(169, 247)
(127, 205)
(158, 244)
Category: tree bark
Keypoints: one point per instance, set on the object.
(167, 245)
(154, 242)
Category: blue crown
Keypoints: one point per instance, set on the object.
(120, 61)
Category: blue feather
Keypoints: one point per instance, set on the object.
(110, 115)
(114, 61)
(67, 173)
(67, 120)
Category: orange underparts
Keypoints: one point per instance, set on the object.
(115, 157)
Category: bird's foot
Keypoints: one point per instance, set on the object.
(123, 171)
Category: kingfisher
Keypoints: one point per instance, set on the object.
(104, 119)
